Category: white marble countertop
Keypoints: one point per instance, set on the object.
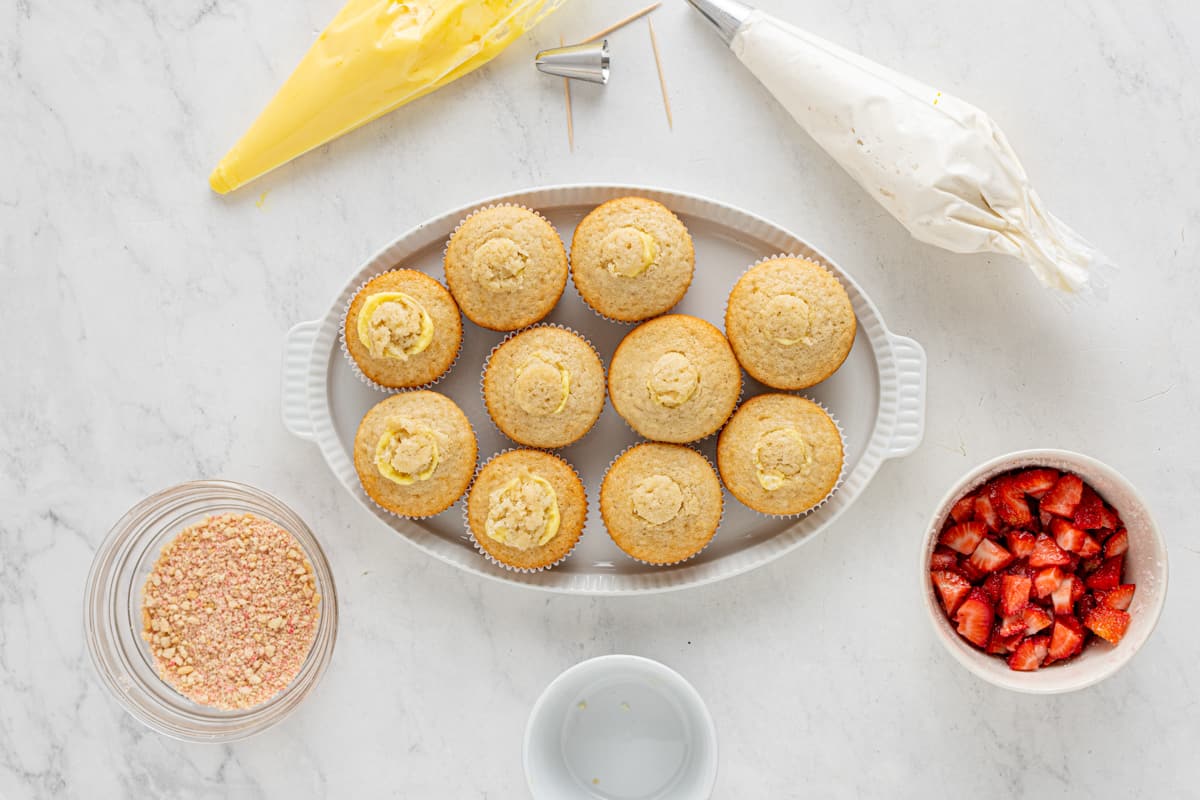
(143, 318)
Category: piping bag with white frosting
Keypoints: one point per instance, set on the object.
(939, 165)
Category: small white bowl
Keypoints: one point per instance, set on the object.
(1145, 565)
(620, 727)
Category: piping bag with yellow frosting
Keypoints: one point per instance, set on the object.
(375, 56)
(939, 165)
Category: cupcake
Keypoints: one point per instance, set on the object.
(526, 509)
(674, 379)
(402, 329)
(506, 267)
(781, 454)
(661, 503)
(632, 259)
(415, 453)
(544, 387)
(790, 322)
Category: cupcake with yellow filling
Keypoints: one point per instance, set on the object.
(402, 330)
(674, 379)
(526, 509)
(415, 453)
(506, 266)
(632, 259)
(661, 503)
(544, 387)
(790, 322)
(781, 454)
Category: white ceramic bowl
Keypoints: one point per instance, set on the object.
(1145, 565)
(620, 728)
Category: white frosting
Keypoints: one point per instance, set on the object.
(939, 165)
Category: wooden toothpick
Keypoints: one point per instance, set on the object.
(662, 80)
(632, 17)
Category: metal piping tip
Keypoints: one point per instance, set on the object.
(581, 62)
(727, 16)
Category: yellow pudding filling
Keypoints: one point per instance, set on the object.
(542, 385)
(657, 499)
(523, 513)
(628, 252)
(499, 264)
(781, 455)
(788, 319)
(673, 379)
(394, 325)
(407, 452)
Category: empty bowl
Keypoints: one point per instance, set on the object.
(620, 728)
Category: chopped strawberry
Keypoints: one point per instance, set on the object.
(1036, 619)
(1014, 593)
(1009, 502)
(1047, 580)
(964, 509)
(943, 558)
(1048, 554)
(989, 557)
(1013, 625)
(1089, 565)
(1085, 605)
(1108, 623)
(1090, 547)
(1044, 517)
(1020, 543)
(964, 537)
(1118, 598)
(1035, 482)
(952, 587)
(1030, 654)
(975, 617)
(1117, 544)
(1066, 640)
(1062, 596)
(985, 512)
(1062, 499)
(1001, 645)
(1110, 520)
(992, 587)
(1088, 512)
(1109, 574)
(1078, 589)
(969, 571)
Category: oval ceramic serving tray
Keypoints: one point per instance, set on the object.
(878, 395)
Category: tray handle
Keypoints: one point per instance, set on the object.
(297, 353)
(909, 429)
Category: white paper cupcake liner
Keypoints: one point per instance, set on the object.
(514, 334)
(720, 520)
(536, 213)
(354, 364)
(475, 542)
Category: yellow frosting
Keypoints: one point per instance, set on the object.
(628, 252)
(788, 319)
(779, 456)
(407, 452)
(523, 513)
(394, 325)
(374, 57)
(542, 385)
(673, 379)
(657, 499)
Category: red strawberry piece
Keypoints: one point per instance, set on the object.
(1014, 593)
(1048, 554)
(1035, 482)
(964, 537)
(1044, 517)
(964, 509)
(1089, 565)
(943, 558)
(1013, 625)
(1066, 640)
(1036, 619)
(1109, 519)
(1107, 623)
(1090, 547)
(1009, 502)
(1047, 580)
(1062, 596)
(1030, 654)
(952, 587)
(1062, 499)
(1109, 574)
(992, 587)
(1001, 645)
(1090, 509)
(1066, 535)
(1117, 544)
(985, 512)
(989, 557)
(1118, 598)
(975, 618)
(1085, 604)
(1020, 543)
(1078, 589)
(968, 570)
